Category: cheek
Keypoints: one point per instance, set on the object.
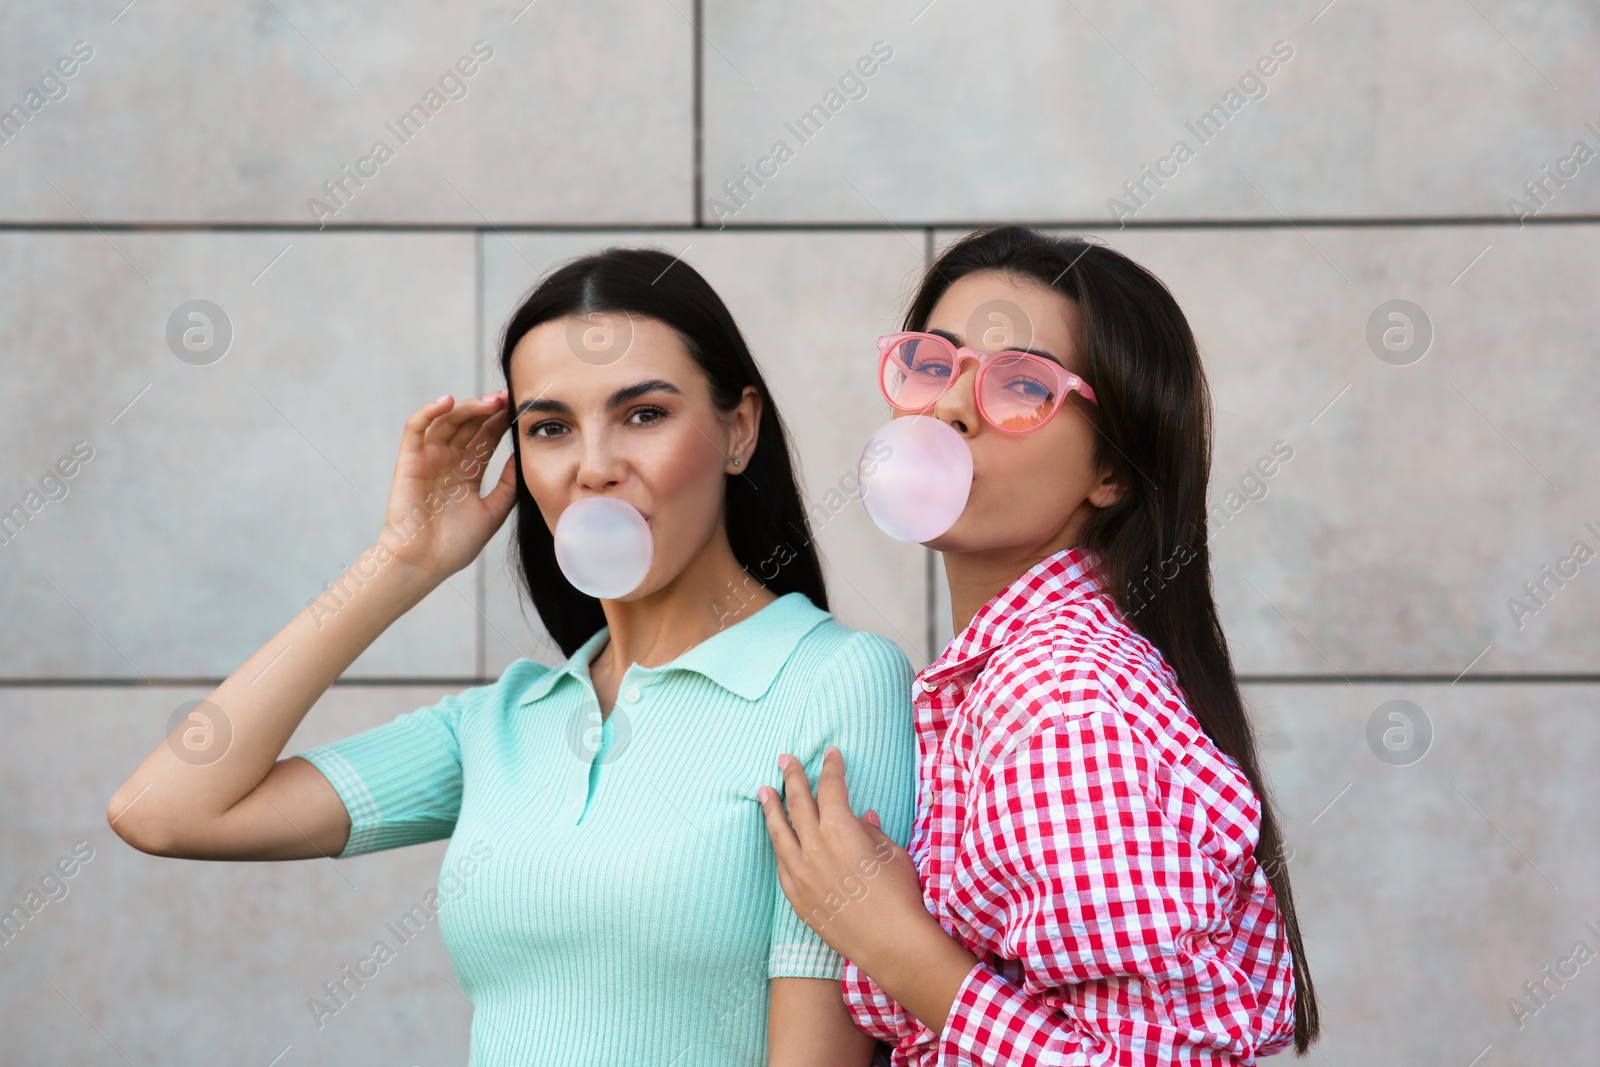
(1043, 475)
(684, 482)
(1025, 480)
(544, 486)
(1071, 450)
(676, 464)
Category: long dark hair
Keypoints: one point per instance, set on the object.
(1154, 422)
(766, 522)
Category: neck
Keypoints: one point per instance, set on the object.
(975, 577)
(710, 594)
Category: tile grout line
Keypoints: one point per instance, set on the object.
(1531, 678)
(810, 226)
(698, 74)
(480, 566)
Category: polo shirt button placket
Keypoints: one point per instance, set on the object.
(583, 771)
(578, 770)
(583, 762)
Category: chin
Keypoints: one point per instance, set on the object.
(972, 534)
(648, 587)
(952, 540)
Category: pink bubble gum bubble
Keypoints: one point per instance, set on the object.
(603, 546)
(916, 473)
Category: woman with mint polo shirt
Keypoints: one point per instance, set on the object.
(609, 894)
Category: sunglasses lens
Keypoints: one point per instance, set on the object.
(916, 372)
(1019, 392)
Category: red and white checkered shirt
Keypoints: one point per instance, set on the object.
(1079, 833)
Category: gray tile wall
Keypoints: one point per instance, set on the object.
(1446, 154)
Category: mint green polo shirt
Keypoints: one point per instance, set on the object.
(610, 895)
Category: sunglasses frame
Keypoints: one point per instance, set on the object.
(1066, 381)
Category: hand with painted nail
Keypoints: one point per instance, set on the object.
(436, 522)
(842, 874)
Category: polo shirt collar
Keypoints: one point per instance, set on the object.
(1054, 581)
(743, 658)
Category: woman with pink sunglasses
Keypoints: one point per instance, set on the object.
(1095, 874)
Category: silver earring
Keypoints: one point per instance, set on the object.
(735, 463)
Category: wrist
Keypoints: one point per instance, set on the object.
(411, 578)
(393, 551)
(905, 947)
(924, 972)
(379, 570)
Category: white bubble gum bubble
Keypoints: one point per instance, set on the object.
(920, 489)
(603, 546)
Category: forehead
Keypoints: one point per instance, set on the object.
(598, 352)
(990, 310)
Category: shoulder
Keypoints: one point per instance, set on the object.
(1093, 695)
(849, 679)
(519, 681)
(1082, 668)
(513, 682)
(829, 649)
(439, 728)
(1082, 658)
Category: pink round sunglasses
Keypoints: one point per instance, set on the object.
(1017, 392)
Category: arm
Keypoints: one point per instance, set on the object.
(215, 787)
(861, 705)
(809, 1026)
(864, 896)
(1091, 888)
(1104, 904)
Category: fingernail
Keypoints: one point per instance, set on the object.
(761, 794)
(783, 761)
(834, 749)
(442, 399)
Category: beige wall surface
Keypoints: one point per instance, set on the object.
(1290, 170)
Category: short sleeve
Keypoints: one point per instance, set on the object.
(401, 781)
(861, 704)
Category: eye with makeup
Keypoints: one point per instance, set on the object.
(934, 367)
(656, 412)
(1025, 385)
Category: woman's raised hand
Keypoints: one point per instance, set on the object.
(436, 522)
(247, 802)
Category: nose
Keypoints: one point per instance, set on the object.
(957, 406)
(600, 466)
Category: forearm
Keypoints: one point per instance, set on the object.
(921, 967)
(996, 1022)
(250, 717)
(808, 1025)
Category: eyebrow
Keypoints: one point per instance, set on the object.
(953, 339)
(618, 398)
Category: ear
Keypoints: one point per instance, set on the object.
(744, 429)
(1107, 491)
